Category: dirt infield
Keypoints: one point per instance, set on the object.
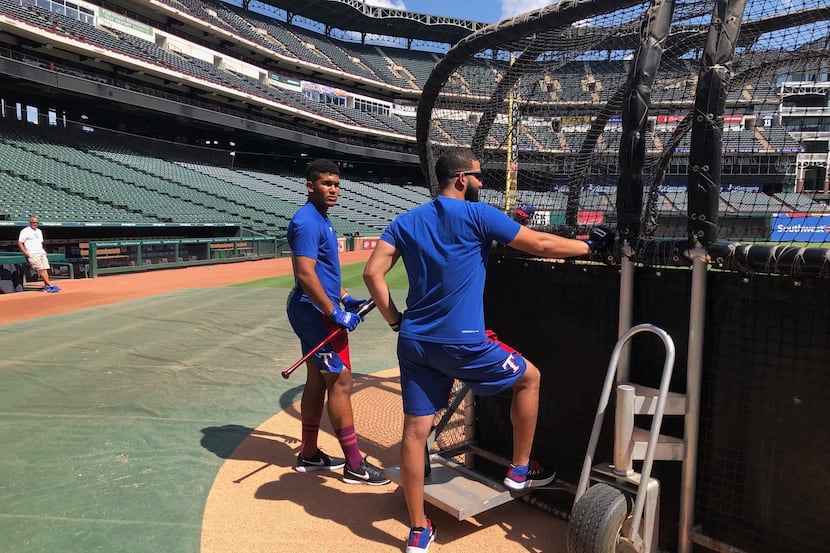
(93, 292)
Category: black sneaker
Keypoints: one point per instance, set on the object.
(536, 476)
(320, 461)
(366, 473)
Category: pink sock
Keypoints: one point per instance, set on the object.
(311, 427)
(348, 441)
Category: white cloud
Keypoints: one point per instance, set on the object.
(511, 8)
(392, 4)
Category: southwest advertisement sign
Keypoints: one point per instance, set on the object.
(800, 227)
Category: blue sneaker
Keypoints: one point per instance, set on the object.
(51, 289)
(528, 476)
(420, 538)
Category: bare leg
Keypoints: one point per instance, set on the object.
(415, 432)
(314, 392)
(524, 410)
(340, 398)
(311, 408)
(44, 275)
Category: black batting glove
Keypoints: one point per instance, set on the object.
(396, 326)
(601, 239)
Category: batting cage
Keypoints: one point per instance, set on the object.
(684, 125)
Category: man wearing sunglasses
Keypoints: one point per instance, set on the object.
(30, 243)
(445, 246)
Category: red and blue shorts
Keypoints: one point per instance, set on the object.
(428, 370)
(312, 327)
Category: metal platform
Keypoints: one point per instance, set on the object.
(450, 483)
(458, 490)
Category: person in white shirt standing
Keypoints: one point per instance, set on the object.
(30, 243)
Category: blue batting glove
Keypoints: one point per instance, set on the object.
(345, 318)
(351, 304)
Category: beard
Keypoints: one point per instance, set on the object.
(471, 194)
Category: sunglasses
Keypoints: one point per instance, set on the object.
(476, 174)
(34, 223)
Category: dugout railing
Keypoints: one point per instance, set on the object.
(121, 256)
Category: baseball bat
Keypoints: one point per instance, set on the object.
(364, 309)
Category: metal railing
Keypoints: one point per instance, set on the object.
(120, 256)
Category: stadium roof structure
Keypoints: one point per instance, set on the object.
(356, 15)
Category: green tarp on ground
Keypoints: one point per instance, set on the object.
(115, 420)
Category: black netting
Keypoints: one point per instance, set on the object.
(762, 475)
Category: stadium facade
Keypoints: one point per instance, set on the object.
(265, 87)
(205, 72)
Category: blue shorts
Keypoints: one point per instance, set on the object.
(429, 369)
(312, 327)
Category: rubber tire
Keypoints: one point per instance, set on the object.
(597, 519)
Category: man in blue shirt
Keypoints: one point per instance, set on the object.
(314, 311)
(445, 245)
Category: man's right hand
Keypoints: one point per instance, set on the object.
(345, 319)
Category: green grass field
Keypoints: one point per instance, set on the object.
(352, 277)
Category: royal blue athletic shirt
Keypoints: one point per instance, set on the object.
(445, 245)
(310, 234)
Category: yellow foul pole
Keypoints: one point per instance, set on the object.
(512, 146)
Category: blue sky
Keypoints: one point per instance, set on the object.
(488, 11)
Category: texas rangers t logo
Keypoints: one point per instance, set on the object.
(510, 365)
(326, 358)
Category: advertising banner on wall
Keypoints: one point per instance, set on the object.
(322, 89)
(123, 23)
(800, 227)
(589, 217)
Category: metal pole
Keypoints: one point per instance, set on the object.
(93, 259)
(697, 312)
(511, 184)
(626, 311)
(624, 430)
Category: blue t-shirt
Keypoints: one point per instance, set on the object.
(311, 234)
(445, 246)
